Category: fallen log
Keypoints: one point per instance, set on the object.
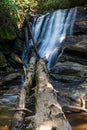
(19, 115)
(49, 114)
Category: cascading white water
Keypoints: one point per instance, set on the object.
(50, 30)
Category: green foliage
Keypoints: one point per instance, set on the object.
(12, 15)
(16, 9)
(45, 5)
(9, 6)
(23, 8)
(8, 19)
(52, 4)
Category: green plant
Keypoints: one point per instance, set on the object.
(46, 5)
(52, 4)
(9, 6)
(8, 19)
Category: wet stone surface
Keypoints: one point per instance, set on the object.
(8, 98)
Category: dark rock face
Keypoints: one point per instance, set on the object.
(79, 46)
(12, 52)
(80, 26)
(69, 75)
(3, 61)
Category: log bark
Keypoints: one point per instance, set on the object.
(19, 115)
(49, 114)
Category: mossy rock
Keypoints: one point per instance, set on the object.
(3, 61)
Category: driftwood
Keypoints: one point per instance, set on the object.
(49, 114)
(18, 119)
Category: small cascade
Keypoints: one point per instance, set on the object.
(50, 30)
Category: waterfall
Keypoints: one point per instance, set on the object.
(49, 32)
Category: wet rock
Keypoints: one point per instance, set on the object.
(3, 61)
(5, 46)
(73, 39)
(79, 46)
(70, 68)
(70, 79)
(14, 45)
(10, 78)
(14, 60)
(68, 75)
(17, 47)
(12, 50)
(81, 13)
(75, 48)
(80, 26)
(73, 56)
